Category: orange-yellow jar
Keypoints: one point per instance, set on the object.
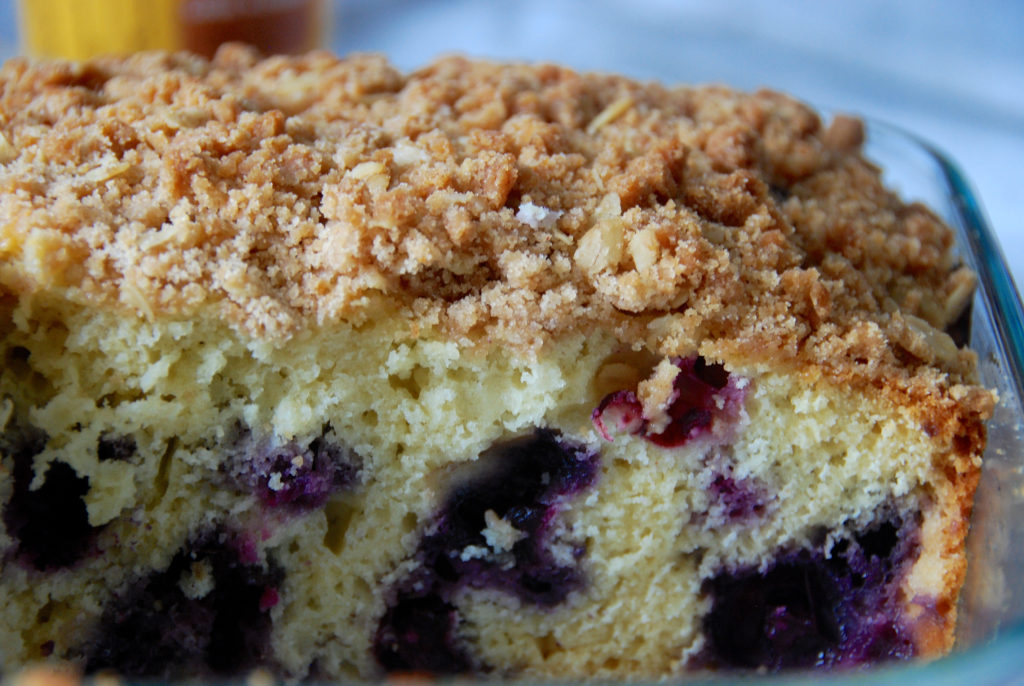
(77, 29)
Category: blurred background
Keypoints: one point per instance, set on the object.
(951, 71)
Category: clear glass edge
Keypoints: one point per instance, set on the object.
(995, 280)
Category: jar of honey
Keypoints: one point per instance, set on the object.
(77, 29)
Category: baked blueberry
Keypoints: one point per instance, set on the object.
(809, 610)
(50, 523)
(418, 634)
(493, 531)
(206, 613)
(702, 392)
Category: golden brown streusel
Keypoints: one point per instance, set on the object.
(505, 203)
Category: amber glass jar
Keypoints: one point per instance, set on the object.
(78, 29)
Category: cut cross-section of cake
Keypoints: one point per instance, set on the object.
(488, 369)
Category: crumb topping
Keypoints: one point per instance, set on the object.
(504, 204)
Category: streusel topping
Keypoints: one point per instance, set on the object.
(502, 203)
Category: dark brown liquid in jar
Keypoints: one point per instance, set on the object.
(273, 26)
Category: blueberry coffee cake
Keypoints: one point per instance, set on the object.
(315, 367)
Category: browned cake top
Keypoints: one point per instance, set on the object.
(501, 203)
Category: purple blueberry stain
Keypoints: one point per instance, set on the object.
(50, 523)
(300, 476)
(207, 613)
(526, 482)
(808, 610)
(702, 393)
(735, 499)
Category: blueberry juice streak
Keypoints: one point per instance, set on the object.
(529, 480)
(702, 393)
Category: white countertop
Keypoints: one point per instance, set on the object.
(952, 72)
